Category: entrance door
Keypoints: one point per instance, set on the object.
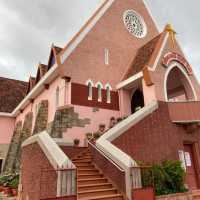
(191, 179)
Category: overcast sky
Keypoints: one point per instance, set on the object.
(29, 27)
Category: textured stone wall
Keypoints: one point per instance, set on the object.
(41, 118)
(25, 133)
(65, 118)
(13, 148)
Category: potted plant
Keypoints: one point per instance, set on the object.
(14, 185)
(89, 136)
(76, 142)
(96, 135)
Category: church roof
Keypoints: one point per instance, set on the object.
(12, 93)
(142, 57)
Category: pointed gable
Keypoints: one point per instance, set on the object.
(106, 30)
(55, 50)
(142, 58)
(42, 69)
(31, 84)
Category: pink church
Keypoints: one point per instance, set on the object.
(118, 77)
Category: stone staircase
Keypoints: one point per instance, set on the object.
(91, 182)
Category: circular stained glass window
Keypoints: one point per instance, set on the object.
(135, 23)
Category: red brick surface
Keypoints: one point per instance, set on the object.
(109, 169)
(87, 60)
(156, 138)
(80, 97)
(72, 152)
(143, 194)
(36, 182)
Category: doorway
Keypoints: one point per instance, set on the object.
(191, 175)
(137, 101)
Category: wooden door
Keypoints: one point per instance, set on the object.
(191, 176)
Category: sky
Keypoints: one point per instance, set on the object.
(28, 29)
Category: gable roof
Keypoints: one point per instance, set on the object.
(142, 57)
(42, 69)
(12, 93)
(31, 84)
(55, 50)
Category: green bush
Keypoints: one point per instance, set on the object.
(10, 180)
(169, 178)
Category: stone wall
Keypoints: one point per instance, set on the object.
(13, 148)
(25, 134)
(66, 117)
(41, 118)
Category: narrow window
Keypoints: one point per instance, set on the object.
(99, 87)
(108, 96)
(89, 91)
(106, 52)
(57, 97)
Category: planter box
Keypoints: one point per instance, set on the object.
(178, 196)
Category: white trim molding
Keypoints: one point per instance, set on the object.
(99, 90)
(179, 66)
(4, 114)
(129, 81)
(86, 30)
(58, 160)
(104, 143)
(159, 53)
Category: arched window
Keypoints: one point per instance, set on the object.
(99, 87)
(57, 97)
(108, 93)
(90, 85)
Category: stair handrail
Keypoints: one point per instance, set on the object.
(104, 143)
(105, 156)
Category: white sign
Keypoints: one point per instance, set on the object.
(188, 159)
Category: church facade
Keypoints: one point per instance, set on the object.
(120, 77)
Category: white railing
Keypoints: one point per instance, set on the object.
(104, 143)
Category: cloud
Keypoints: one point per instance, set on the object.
(28, 28)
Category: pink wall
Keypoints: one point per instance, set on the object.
(50, 95)
(125, 102)
(100, 117)
(6, 129)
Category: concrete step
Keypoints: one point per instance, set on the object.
(91, 181)
(96, 193)
(94, 186)
(84, 176)
(105, 197)
(87, 171)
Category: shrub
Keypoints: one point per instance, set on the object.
(11, 180)
(169, 178)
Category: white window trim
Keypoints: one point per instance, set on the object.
(89, 81)
(178, 65)
(108, 100)
(101, 85)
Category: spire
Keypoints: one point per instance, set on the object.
(172, 33)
